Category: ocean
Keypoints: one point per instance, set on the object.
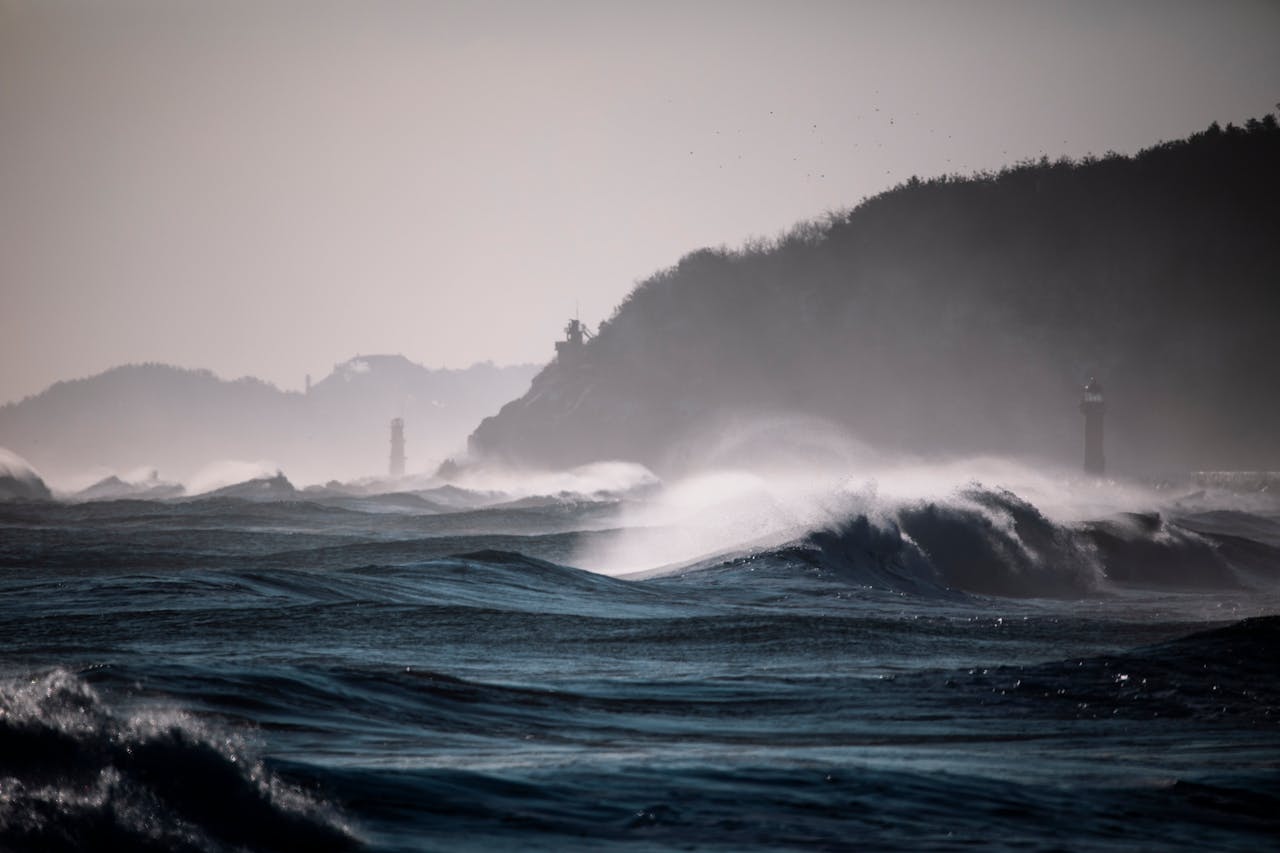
(644, 668)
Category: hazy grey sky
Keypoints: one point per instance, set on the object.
(267, 188)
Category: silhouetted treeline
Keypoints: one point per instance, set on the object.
(963, 315)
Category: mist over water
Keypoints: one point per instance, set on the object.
(773, 481)
(218, 475)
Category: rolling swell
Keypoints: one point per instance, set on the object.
(1223, 674)
(897, 680)
(77, 776)
(798, 808)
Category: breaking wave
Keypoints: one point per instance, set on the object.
(993, 542)
(74, 775)
(19, 480)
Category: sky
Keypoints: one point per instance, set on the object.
(268, 188)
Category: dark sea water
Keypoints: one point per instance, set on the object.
(390, 674)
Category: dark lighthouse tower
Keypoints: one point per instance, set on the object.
(1093, 408)
(397, 447)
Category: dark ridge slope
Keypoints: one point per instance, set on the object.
(961, 315)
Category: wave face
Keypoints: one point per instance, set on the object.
(990, 542)
(984, 541)
(79, 777)
(993, 542)
(933, 668)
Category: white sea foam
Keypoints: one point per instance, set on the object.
(19, 478)
(228, 472)
(13, 465)
(788, 488)
(593, 480)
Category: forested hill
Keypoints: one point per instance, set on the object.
(959, 315)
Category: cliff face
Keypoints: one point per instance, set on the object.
(959, 316)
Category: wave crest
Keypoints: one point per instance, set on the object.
(993, 542)
(74, 775)
(988, 542)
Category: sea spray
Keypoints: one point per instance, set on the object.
(77, 775)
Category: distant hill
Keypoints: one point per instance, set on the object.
(960, 315)
(112, 488)
(154, 416)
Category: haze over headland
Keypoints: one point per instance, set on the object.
(264, 188)
(956, 316)
(146, 421)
